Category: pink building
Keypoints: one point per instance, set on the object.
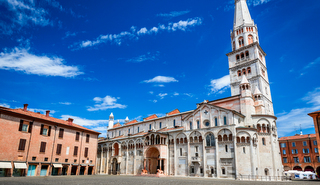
(33, 144)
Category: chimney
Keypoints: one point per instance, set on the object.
(47, 113)
(25, 106)
(70, 120)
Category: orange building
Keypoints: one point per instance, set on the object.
(33, 144)
(300, 152)
(316, 121)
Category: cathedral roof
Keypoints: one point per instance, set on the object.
(131, 122)
(151, 117)
(176, 111)
(117, 125)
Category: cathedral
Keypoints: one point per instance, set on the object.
(225, 138)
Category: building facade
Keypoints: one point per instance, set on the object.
(33, 144)
(225, 138)
(300, 152)
(316, 120)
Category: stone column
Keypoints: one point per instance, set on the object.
(251, 158)
(217, 157)
(107, 161)
(235, 155)
(273, 158)
(127, 159)
(134, 159)
(101, 159)
(175, 162)
(188, 157)
(204, 167)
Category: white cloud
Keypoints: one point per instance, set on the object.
(151, 92)
(65, 103)
(175, 94)
(257, 2)
(20, 59)
(133, 34)
(149, 56)
(220, 85)
(105, 103)
(83, 121)
(316, 61)
(188, 94)
(4, 105)
(162, 95)
(161, 79)
(155, 101)
(288, 122)
(158, 85)
(173, 14)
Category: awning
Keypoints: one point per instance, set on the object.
(57, 165)
(83, 165)
(91, 164)
(20, 165)
(5, 165)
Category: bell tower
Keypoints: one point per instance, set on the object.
(247, 57)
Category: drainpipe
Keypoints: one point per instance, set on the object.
(29, 142)
(54, 140)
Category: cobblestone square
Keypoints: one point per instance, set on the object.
(133, 180)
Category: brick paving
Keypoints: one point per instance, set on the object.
(132, 180)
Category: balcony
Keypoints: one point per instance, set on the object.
(195, 159)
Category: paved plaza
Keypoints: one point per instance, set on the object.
(132, 180)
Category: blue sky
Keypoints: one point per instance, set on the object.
(135, 58)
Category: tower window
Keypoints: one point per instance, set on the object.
(174, 122)
(190, 125)
(160, 125)
(238, 57)
(263, 141)
(225, 120)
(242, 56)
(226, 148)
(241, 42)
(138, 129)
(198, 124)
(247, 54)
(239, 73)
(150, 127)
(216, 121)
(249, 70)
(243, 71)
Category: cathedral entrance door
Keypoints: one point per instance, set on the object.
(152, 156)
(114, 166)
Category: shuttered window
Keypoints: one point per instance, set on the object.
(59, 146)
(75, 151)
(22, 144)
(86, 152)
(87, 139)
(43, 147)
(21, 124)
(77, 136)
(61, 131)
(30, 127)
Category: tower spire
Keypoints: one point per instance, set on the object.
(242, 15)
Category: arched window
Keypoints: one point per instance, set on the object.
(247, 54)
(177, 141)
(243, 140)
(174, 122)
(225, 137)
(238, 139)
(249, 70)
(230, 137)
(266, 171)
(226, 148)
(223, 170)
(138, 130)
(198, 124)
(238, 57)
(241, 42)
(239, 73)
(216, 121)
(243, 71)
(190, 125)
(219, 138)
(244, 150)
(180, 151)
(250, 39)
(210, 140)
(225, 120)
(242, 56)
(150, 127)
(160, 125)
(181, 141)
(263, 141)
(191, 139)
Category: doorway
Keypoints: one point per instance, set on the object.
(32, 170)
(44, 169)
(74, 170)
(115, 166)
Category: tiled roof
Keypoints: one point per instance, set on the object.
(176, 111)
(131, 122)
(151, 117)
(117, 125)
(44, 117)
(314, 112)
(298, 137)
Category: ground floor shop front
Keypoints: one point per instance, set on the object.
(20, 169)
